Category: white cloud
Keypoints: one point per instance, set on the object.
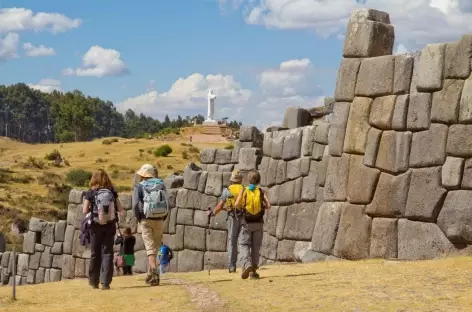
(9, 46)
(47, 85)
(41, 50)
(21, 19)
(99, 62)
(427, 21)
(401, 49)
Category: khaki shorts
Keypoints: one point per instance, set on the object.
(152, 232)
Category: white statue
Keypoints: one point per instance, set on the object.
(211, 105)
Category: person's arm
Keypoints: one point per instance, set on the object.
(266, 199)
(135, 201)
(87, 201)
(218, 207)
(239, 199)
(119, 240)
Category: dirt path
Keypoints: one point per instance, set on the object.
(206, 299)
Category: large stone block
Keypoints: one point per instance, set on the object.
(286, 193)
(30, 277)
(214, 184)
(191, 176)
(428, 148)
(381, 114)
(292, 145)
(465, 109)
(270, 220)
(55, 275)
(362, 181)
(181, 200)
(426, 194)
(400, 113)
(249, 158)
(445, 105)
(308, 139)
(394, 150)
(326, 227)
(353, 238)
(57, 248)
(34, 261)
(281, 173)
(322, 131)
(281, 219)
(60, 231)
(457, 64)
(383, 242)
(419, 112)
(185, 216)
(372, 146)
(194, 199)
(77, 249)
(337, 131)
(190, 260)
(215, 260)
(36, 225)
(57, 261)
(68, 240)
(368, 34)
(29, 242)
(80, 268)
(223, 156)
(194, 238)
(76, 196)
(414, 79)
(277, 147)
(74, 215)
(431, 68)
(40, 273)
(459, 141)
(125, 199)
(300, 221)
(267, 144)
(39, 247)
(421, 241)
(285, 250)
(296, 117)
(390, 196)
(207, 156)
(68, 267)
(216, 241)
(376, 76)
(248, 133)
(455, 218)
(269, 247)
(179, 237)
(357, 126)
(403, 73)
(47, 234)
(46, 258)
(346, 80)
(23, 264)
(451, 173)
(467, 176)
(336, 178)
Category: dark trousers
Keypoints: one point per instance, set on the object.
(101, 260)
(127, 270)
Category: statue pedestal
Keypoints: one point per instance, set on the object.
(210, 122)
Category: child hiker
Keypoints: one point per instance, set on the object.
(255, 202)
(164, 257)
(127, 243)
(234, 217)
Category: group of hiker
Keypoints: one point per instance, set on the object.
(245, 206)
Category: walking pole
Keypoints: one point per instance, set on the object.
(209, 231)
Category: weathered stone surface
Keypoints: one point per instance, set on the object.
(68, 240)
(214, 184)
(23, 264)
(376, 76)
(403, 73)
(141, 262)
(215, 260)
(286, 193)
(80, 268)
(30, 277)
(419, 111)
(452, 172)
(207, 156)
(267, 144)
(457, 64)
(445, 106)
(383, 242)
(200, 218)
(318, 151)
(190, 260)
(381, 114)
(194, 199)
(29, 242)
(285, 250)
(326, 227)
(269, 247)
(281, 173)
(34, 261)
(223, 156)
(416, 61)
(465, 110)
(249, 158)
(5, 259)
(467, 176)
(202, 182)
(346, 80)
(74, 215)
(36, 225)
(426, 194)
(248, 133)
(60, 230)
(76, 196)
(292, 145)
(322, 131)
(194, 238)
(77, 249)
(390, 196)
(459, 141)
(305, 166)
(308, 138)
(400, 113)
(296, 117)
(310, 185)
(185, 216)
(226, 168)
(293, 169)
(362, 181)
(368, 34)
(428, 148)
(208, 201)
(431, 68)
(226, 178)
(272, 172)
(270, 220)
(46, 258)
(421, 241)
(393, 153)
(336, 178)
(353, 238)
(300, 250)
(57, 261)
(39, 247)
(47, 234)
(337, 131)
(277, 147)
(357, 126)
(372, 146)
(39, 278)
(455, 218)
(55, 275)
(68, 267)
(300, 221)
(170, 182)
(212, 167)
(181, 200)
(56, 248)
(192, 176)
(281, 218)
(216, 241)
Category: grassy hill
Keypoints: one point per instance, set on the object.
(373, 285)
(31, 185)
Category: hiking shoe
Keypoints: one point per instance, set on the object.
(105, 287)
(155, 279)
(254, 275)
(232, 270)
(246, 272)
(93, 285)
(148, 278)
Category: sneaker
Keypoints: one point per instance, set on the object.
(232, 270)
(155, 279)
(246, 272)
(148, 278)
(93, 285)
(254, 275)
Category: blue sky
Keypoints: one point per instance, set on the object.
(242, 44)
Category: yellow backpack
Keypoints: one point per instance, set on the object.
(253, 205)
(234, 189)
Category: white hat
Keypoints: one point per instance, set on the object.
(147, 171)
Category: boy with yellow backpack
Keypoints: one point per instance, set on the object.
(234, 217)
(254, 202)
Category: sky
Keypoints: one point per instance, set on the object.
(160, 57)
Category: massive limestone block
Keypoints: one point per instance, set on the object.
(68, 267)
(80, 268)
(56, 275)
(465, 110)
(308, 139)
(22, 266)
(292, 145)
(467, 177)
(223, 156)
(353, 238)
(201, 183)
(214, 184)
(39, 277)
(428, 148)
(60, 230)
(414, 79)
(277, 147)
(74, 215)
(361, 182)
(68, 240)
(179, 238)
(400, 113)
(36, 225)
(76, 196)
(172, 220)
(185, 216)
(458, 58)
(30, 277)
(249, 158)
(381, 114)
(47, 234)
(215, 260)
(57, 261)
(281, 174)
(372, 146)
(216, 241)
(57, 248)
(336, 178)
(421, 241)
(403, 73)
(431, 68)
(285, 250)
(300, 221)
(77, 249)
(459, 141)
(326, 227)
(419, 112)
(445, 106)
(248, 134)
(34, 261)
(190, 260)
(194, 238)
(235, 155)
(357, 126)
(426, 194)
(346, 80)
(181, 200)
(337, 131)
(376, 76)
(293, 169)
(393, 152)
(270, 220)
(272, 172)
(383, 242)
(322, 131)
(267, 144)
(452, 172)
(269, 247)
(194, 199)
(368, 34)
(286, 193)
(29, 241)
(310, 184)
(390, 196)
(191, 176)
(297, 194)
(281, 218)
(296, 117)
(318, 151)
(455, 218)
(207, 156)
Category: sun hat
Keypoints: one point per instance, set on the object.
(147, 171)
(236, 177)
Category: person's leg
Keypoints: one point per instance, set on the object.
(95, 256)
(244, 242)
(157, 233)
(233, 232)
(109, 231)
(256, 243)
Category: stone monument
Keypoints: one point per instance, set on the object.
(211, 109)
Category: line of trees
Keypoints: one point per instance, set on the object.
(32, 116)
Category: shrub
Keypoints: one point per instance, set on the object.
(101, 160)
(81, 154)
(66, 163)
(170, 167)
(78, 177)
(163, 151)
(114, 140)
(115, 174)
(107, 142)
(22, 179)
(32, 162)
(49, 178)
(65, 136)
(149, 151)
(194, 149)
(53, 155)
(229, 147)
(184, 155)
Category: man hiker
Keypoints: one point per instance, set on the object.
(234, 217)
(150, 206)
